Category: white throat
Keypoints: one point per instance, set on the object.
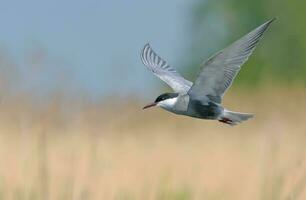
(168, 104)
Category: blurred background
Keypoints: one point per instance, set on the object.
(72, 86)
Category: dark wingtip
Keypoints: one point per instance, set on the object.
(143, 48)
(271, 20)
(147, 45)
(265, 26)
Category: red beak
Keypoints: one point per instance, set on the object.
(149, 105)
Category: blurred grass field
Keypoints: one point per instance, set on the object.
(117, 151)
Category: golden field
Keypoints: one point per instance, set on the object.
(80, 150)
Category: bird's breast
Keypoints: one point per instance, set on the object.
(181, 105)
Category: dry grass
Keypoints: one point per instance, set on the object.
(97, 152)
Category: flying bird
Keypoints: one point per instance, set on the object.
(202, 99)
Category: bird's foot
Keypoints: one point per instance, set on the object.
(226, 121)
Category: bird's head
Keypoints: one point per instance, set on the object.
(166, 100)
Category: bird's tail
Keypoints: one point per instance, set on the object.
(234, 118)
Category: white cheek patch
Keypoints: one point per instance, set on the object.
(168, 103)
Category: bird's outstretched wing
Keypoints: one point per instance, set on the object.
(163, 71)
(219, 71)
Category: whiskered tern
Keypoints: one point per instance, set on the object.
(202, 99)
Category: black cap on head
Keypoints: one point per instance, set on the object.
(165, 96)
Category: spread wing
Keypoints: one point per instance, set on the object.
(219, 71)
(163, 71)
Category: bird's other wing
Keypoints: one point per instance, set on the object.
(163, 71)
(219, 71)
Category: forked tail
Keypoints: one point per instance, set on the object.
(234, 118)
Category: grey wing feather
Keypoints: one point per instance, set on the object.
(163, 71)
(219, 71)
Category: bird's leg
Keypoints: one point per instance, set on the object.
(226, 120)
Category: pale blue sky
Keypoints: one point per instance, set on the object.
(94, 45)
